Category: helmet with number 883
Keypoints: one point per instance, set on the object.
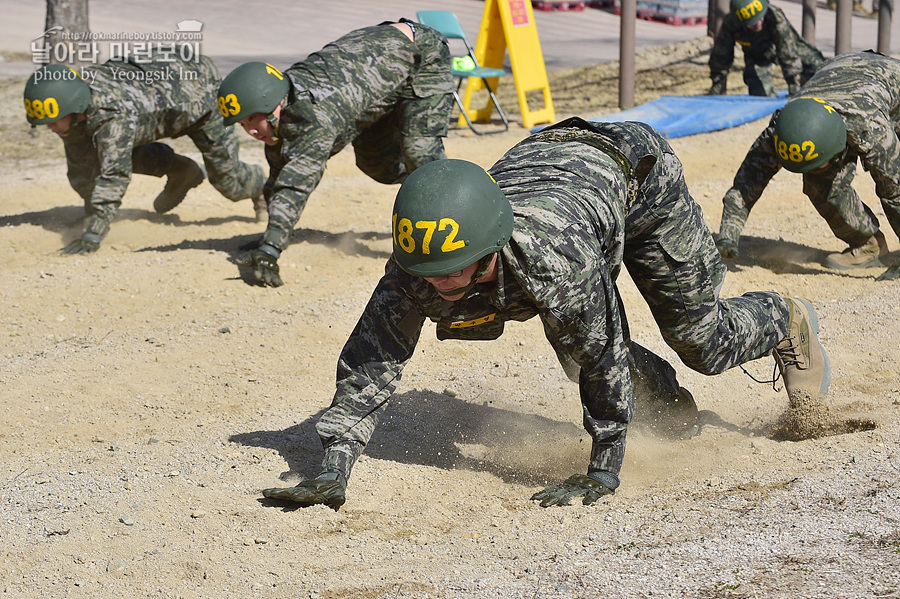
(54, 91)
(448, 215)
(808, 134)
(250, 88)
(749, 12)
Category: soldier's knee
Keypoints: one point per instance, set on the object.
(698, 357)
(701, 365)
(239, 184)
(383, 172)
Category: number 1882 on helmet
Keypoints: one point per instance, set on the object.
(808, 134)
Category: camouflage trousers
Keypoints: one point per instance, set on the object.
(834, 198)
(389, 150)
(831, 194)
(672, 259)
(670, 255)
(232, 178)
(758, 74)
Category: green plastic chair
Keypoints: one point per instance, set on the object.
(447, 23)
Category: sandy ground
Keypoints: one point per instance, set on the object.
(150, 392)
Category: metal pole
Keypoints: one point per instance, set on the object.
(843, 28)
(809, 21)
(627, 18)
(885, 10)
(718, 10)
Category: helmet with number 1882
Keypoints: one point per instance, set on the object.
(808, 134)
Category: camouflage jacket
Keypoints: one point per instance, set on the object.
(570, 203)
(134, 104)
(864, 88)
(338, 92)
(778, 40)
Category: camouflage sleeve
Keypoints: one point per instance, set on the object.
(721, 57)
(369, 369)
(786, 44)
(81, 162)
(114, 140)
(293, 176)
(754, 174)
(882, 162)
(581, 318)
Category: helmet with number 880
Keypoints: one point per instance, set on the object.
(749, 12)
(808, 134)
(54, 91)
(250, 88)
(448, 215)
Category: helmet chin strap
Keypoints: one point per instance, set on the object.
(483, 265)
(273, 121)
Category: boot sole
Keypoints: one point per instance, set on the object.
(873, 263)
(814, 326)
(163, 207)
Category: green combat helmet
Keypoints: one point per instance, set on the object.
(448, 215)
(250, 88)
(749, 12)
(54, 91)
(808, 134)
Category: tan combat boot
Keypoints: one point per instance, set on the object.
(866, 255)
(800, 357)
(261, 208)
(184, 175)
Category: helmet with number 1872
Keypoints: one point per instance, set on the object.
(448, 215)
(251, 88)
(54, 91)
(749, 12)
(808, 134)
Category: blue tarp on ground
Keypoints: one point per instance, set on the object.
(679, 116)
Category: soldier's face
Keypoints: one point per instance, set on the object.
(756, 27)
(452, 287)
(62, 125)
(448, 284)
(257, 126)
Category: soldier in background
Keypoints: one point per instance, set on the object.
(848, 112)
(546, 234)
(385, 89)
(110, 124)
(766, 37)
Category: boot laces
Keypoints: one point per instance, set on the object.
(790, 356)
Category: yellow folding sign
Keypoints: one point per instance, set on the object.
(510, 24)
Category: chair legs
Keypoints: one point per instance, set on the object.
(465, 113)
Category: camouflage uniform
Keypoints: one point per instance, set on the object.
(863, 88)
(388, 96)
(132, 105)
(586, 199)
(777, 41)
